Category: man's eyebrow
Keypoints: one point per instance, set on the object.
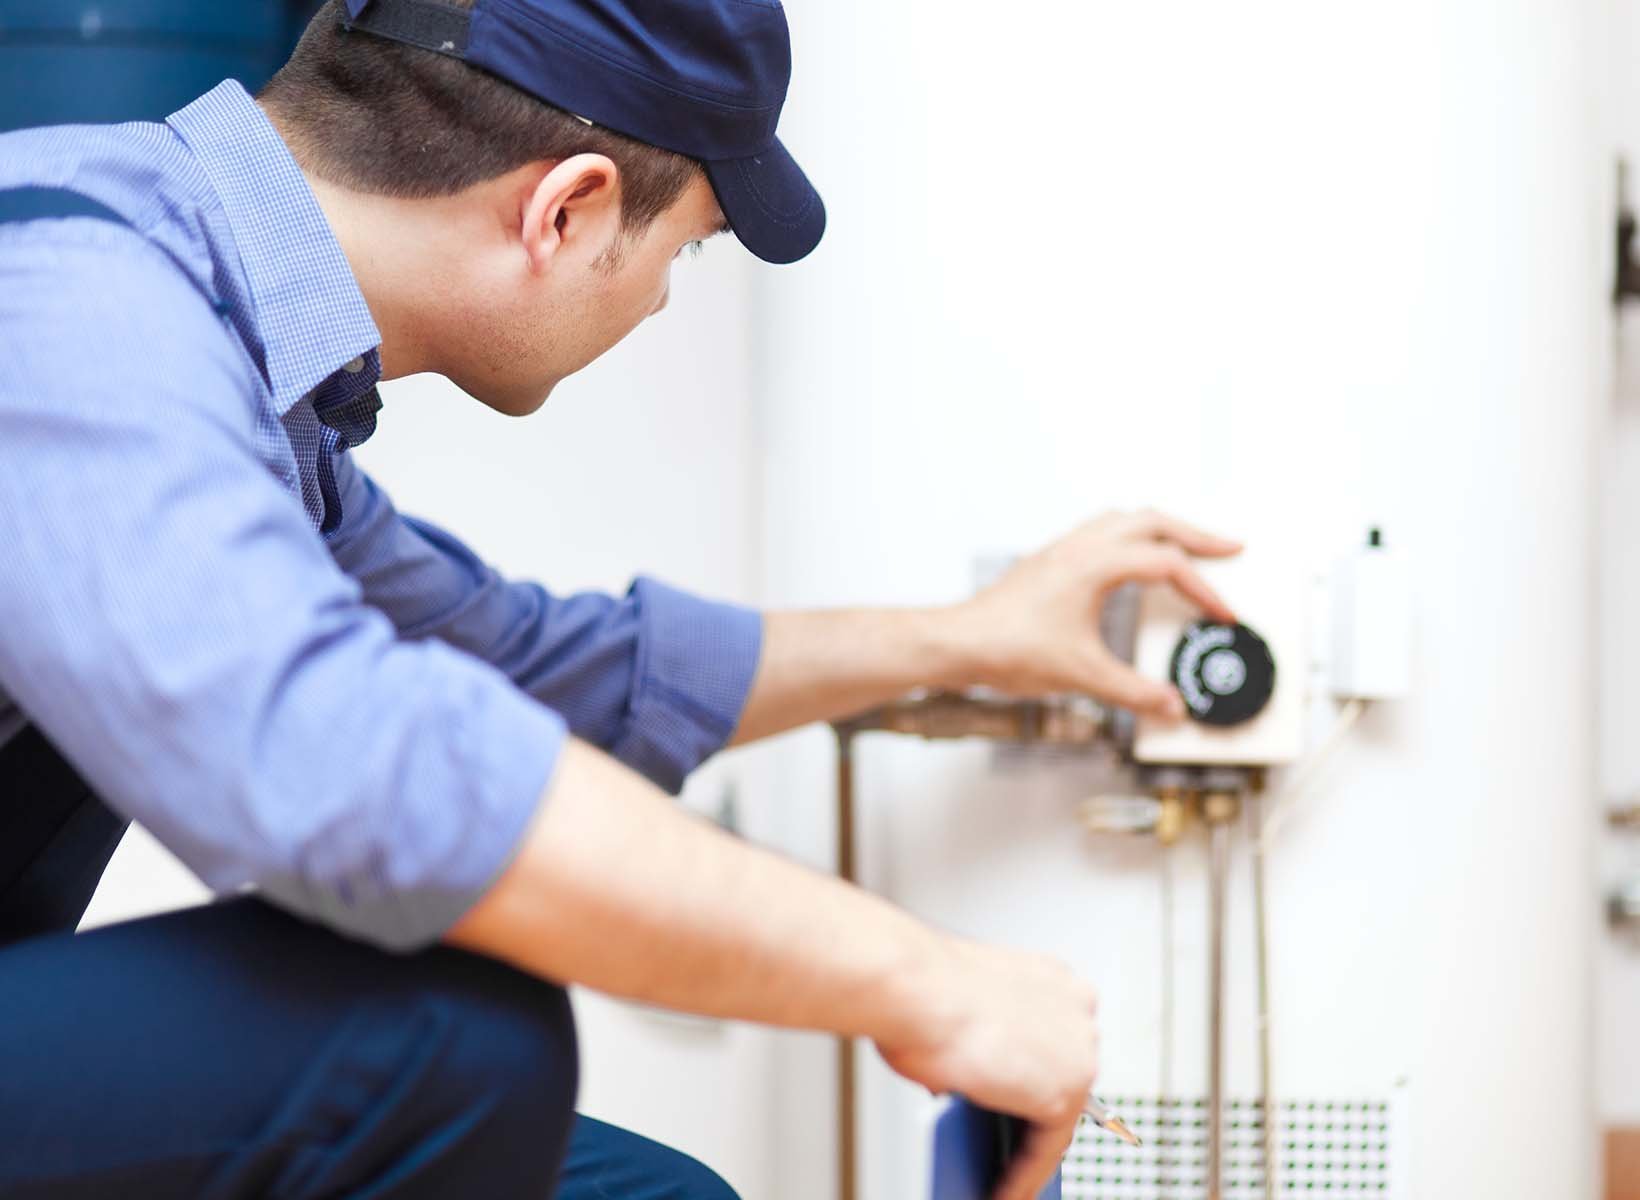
(723, 228)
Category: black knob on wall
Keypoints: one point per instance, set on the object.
(1225, 673)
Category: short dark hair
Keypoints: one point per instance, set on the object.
(387, 119)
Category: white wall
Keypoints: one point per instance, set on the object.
(1288, 268)
(1618, 1032)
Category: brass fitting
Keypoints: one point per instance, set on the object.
(1221, 808)
(1173, 814)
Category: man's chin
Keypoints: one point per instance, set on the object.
(514, 403)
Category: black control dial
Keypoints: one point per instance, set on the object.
(1225, 673)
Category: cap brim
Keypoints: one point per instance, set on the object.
(771, 205)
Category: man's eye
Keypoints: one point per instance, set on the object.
(694, 248)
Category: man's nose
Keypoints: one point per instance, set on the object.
(666, 294)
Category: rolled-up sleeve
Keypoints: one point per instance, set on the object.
(172, 622)
(657, 677)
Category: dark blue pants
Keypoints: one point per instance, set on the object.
(233, 1051)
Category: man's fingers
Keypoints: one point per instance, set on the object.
(1159, 527)
(1117, 683)
(1166, 564)
(1038, 1158)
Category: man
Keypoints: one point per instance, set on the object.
(446, 789)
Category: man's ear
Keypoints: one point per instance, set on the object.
(576, 204)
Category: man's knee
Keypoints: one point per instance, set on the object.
(605, 1160)
(416, 1077)
(513, 1050)
(497, 1079)
(697, 1181)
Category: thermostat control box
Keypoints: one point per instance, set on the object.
(1244, 685)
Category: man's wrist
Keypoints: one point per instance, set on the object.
(912, 1004)
(955, 648)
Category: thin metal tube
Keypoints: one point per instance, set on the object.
(1218, 874)
(1267, 1101)
(1164, 1151)
(1061, 721)
(847, 1151)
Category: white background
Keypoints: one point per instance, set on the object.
(1618, 1030)
(1289, 268)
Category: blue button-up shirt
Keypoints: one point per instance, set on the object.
(218, 618)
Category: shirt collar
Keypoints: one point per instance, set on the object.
(311, 316)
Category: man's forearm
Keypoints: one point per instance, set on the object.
(618, 889)
(1033, 632)
(819, 666)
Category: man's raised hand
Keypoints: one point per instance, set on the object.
(1035, 631)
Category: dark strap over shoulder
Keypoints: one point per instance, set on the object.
(42, 203)
(47, 203)
(56, 837)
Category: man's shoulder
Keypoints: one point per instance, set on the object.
(131, 167)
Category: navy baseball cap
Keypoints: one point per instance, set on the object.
(702, 78)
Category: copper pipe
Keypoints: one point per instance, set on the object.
(1165, 1158)
(1059, 721)
(847, 1149)
(1219, 810)
(1267, 1101)
(1219, 869)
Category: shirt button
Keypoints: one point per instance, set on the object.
(354, 367)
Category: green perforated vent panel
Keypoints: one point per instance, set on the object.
(1343, 1148)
